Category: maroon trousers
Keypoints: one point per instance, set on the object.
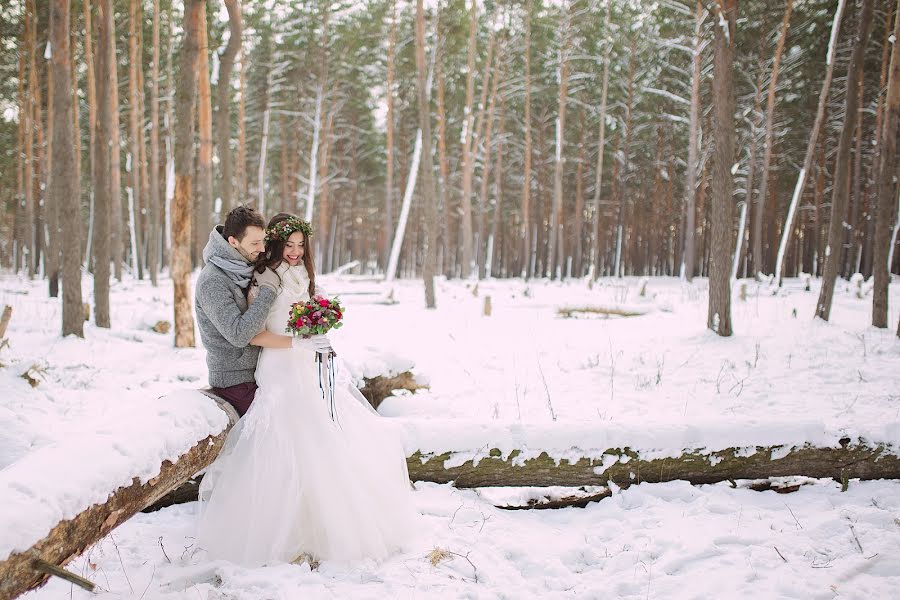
(240, 396)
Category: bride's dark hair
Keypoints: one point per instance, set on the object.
(274, 253)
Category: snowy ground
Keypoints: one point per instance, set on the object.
(522, 378)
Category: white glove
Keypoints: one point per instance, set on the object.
(316, 343)
(269, 279)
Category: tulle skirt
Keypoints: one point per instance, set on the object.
(291, 480)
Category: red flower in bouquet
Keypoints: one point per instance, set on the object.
(315, 316)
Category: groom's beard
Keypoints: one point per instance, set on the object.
(250, 257)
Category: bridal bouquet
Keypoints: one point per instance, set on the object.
(315, 316)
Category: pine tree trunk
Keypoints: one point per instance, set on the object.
(429, 197)
(223, 108)
(153, 203)
(264, 144)
(106, 154)
(555, 258)
(52, 258)
(19, 230)
(389, 150)
(755, 205)
(447, 261)
(525, 228)
(769, 140)
(134, 122)
(203, 214)
(886, 185)
(811, 144)
(117, 222)
(578, 225)
(719, 314)
(184, 144)
(855, 199)
(91, 94)
(243, 194)
(624, 177)
(486, 143)
(601, 151)
(29, 250)
(498, 197)
(841, 169)
(869, 235)
(466, 162)
(64, 179)
(689, 259)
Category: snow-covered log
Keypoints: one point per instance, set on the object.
(20, 572)
(623, 467)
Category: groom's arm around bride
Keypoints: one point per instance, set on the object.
(226, 322)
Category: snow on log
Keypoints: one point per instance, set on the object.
(624, 467)
(24, 569)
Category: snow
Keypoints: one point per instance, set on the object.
(835, 30)
(119, 402)
(667, 540)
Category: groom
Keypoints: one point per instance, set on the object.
(226, 323)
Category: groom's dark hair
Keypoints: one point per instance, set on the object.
(239, 219)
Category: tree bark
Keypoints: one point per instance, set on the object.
(466, 164)
(73, 536)
(811, 144)
(91, 94)
(51, 237)
(29, 239)
(555, 258)
(719, 314)
(855, 199)
(184, 144)
(689, 260)
(601, 150)
(203, 214)
(486, 143)
(447, 249)
(223, 108)
(64, 180)
(578, 226)
(389, 150)
(134, 125)
(525, 227)
(153, 204)
(841, 462)
(886, 185)
(241, 168)
(841, 169)
(107, 153)
(429, 197)
(116, 222)
(769, 140)
(624, 172)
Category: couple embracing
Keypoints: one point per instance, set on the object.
(297, 477)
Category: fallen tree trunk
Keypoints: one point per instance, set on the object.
(23, 571)
(624, 467)
(842, 463)
(174, 484)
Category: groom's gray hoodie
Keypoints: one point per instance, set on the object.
(226, 323)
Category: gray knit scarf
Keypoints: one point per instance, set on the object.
(238, 271)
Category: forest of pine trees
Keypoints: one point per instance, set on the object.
(506, 138)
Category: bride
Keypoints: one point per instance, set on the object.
(292, 480)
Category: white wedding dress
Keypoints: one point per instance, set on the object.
(290, 480)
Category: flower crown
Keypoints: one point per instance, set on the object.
(283, 229)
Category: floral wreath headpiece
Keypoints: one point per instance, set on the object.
(283, 229)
